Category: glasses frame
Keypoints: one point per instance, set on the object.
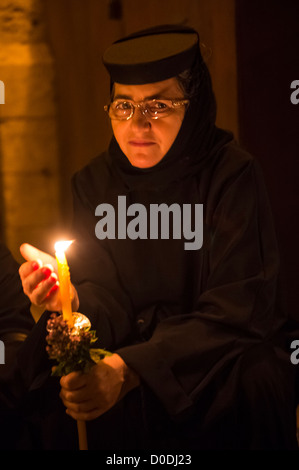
(175, 102)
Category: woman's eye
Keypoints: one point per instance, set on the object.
(123, 106)
(158, 106)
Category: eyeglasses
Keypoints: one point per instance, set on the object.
(154, 109)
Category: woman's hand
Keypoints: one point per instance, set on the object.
(88, 396)
(40, 279)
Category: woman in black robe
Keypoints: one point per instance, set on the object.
(195, 333)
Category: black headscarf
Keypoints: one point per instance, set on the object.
(198, 140)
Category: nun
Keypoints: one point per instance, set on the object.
(195, 329)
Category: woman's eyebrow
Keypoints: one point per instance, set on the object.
(156, 96)
(122, 97)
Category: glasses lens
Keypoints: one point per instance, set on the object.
(158, 108)
(120, 109)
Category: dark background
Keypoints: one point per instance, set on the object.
(267, 38)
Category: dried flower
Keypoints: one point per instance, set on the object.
(71, 346)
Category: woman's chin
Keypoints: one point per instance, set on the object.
(144, 161)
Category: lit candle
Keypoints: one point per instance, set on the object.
(64, 280)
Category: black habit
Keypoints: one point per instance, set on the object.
(200, 327)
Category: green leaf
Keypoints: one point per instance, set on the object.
(98, 354)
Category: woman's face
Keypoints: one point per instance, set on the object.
(143, 140)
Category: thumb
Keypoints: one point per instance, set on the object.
(30, 253)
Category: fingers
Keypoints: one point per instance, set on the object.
(73, 381)
(29, 267)
(81, 405)
(45, 291)
(39, 277)
(32, 280)
(30, 253)
(31, 276)
(39, 283)
(77, 398)
(89, 395)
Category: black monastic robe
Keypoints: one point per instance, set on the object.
(200, 327)
(186, 320)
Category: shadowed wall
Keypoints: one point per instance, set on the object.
(268, 50)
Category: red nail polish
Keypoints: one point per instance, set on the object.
(35, 265)
(46, 272)
(53, 278)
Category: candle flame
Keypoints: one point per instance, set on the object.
(62, 246)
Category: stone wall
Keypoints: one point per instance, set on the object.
(29, 163)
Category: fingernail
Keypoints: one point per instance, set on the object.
(46, 272)
(54, 289)
(34, 265)
(53, 277)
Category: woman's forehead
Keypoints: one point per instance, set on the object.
(167, 88)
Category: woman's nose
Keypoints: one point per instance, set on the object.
(140, 117)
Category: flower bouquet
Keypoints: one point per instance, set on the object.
(70, 347)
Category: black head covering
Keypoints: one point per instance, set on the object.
(151, 55)
(199, 138)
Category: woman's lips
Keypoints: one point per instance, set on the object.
(141, 143)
